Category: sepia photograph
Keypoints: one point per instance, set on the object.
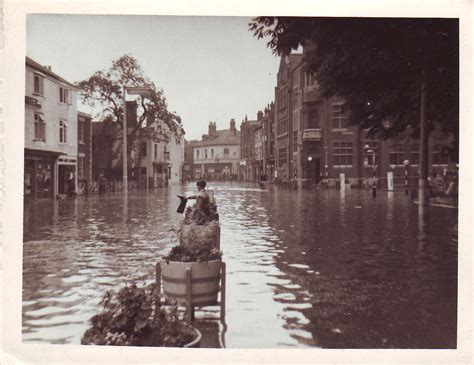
(240, 182)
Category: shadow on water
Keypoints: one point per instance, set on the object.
(304, 267)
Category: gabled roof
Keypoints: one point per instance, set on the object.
(33, 64)
(222, 137)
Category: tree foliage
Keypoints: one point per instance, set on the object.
(377, 65)
(104, 89)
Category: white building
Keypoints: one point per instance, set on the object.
(50, 133)
(176, 150)
(217, 155)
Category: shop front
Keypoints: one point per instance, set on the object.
(67, 176)
(39, 174)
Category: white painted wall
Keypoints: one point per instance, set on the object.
(218, 153)
(52, 111)
(176, 159)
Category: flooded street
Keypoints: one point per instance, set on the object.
(315, 268)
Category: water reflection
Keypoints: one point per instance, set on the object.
(304, 268)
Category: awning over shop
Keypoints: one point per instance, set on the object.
(34, 154)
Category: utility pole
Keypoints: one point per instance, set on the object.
(124, 144)
(423, 178)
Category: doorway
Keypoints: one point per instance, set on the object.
(314, 169)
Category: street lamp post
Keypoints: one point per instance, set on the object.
(374, 183)
(406, 163)
(143, 91)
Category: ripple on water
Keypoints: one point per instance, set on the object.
(75, 250)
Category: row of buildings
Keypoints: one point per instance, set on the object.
(66, 151)
(303, 136)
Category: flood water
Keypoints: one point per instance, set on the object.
(305, 268)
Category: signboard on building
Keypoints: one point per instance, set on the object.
(312, 135)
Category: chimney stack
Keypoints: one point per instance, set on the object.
(259, 115)
(232, 126)
(212, 130)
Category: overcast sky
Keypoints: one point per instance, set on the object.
(210, 68)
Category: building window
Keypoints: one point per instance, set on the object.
(212, 152)
(313, 119)
(81, 132)
(309, 78)
(156, 150)
(80, 167)
(295, 141)
(272, 149)
(205, 153)
(415, 154)
(197, 154)
(143, 149)
(62, 132)
(440, 155)
(369, 156)
(342, 154)
(282, 156)
(38, 84)
(282, 127)
(397, 154)
(63, 95)
(339, 120)
(40, 127)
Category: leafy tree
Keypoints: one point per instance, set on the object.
(377, 65)
(103, 91)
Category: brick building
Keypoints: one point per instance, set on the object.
(248, 128)
(314, 138)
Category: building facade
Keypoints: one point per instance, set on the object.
(51, 140)
(188, 160)
(176, 149)
(217, 154)
(314, 140)
(84, 148)
(248, 165)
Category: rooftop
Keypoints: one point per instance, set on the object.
(221, 137)
(33, 64)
